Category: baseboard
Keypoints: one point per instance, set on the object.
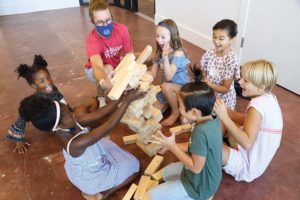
(201, 40)
(27, 6)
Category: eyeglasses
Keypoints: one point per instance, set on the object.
(103, 23)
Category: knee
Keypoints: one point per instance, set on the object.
(165, 87)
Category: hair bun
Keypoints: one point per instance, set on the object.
(22, 70)
(198, 75)
(39, 61)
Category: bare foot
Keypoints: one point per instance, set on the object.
(97, 196)
(171, 119)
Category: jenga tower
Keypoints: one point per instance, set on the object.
(141, 117)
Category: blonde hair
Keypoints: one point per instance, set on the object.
(96, 5)
(261, 73)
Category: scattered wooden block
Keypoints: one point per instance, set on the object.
(149, 149)
(181, 129)
(142, 188)
(130, 192)
(144, 55)
(130, 139)
(158, 176)
(154, 165)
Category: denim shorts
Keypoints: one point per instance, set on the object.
(89, 74)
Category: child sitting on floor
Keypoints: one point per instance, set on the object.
(94, 164)
(38, 77)
(260, 136)
(171, 59)
(199, 172)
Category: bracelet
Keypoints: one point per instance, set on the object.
(101, 83)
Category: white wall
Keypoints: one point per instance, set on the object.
(195, 18)
(271, 29)
(10, 7)
(273, 33)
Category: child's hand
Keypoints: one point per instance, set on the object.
(220, 109)
(162, 150)
(161, 139)
(165, 53)
(133, 95)
(21, 147)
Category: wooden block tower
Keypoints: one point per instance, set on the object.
(141, 117)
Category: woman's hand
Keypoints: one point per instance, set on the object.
(220, 109)
(166, 142)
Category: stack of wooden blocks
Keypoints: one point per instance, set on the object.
(141, 117)
(151, 178)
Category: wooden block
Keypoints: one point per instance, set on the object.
(142, 188)
(154, 165)
(156, 115)
(157, 88)
(120, 86)
(132, 120)
(117, 77)
(150, 152)
(144, 55)
(137, 104)
(148, 111)
(130, 192)
(147, 196)
(135, 113)
(125, 61)
(138, 72)
(130, 139)
(144, 86)
(181, 129)
(152, 184)
(158, 176)
(147, 77)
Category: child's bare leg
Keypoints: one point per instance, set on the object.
(160, 106)
(97, 196)
(170, 92)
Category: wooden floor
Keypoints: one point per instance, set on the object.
(60, 37)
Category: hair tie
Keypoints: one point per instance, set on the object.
(57, 116)
(164, 24)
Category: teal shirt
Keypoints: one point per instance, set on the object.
(206, 141)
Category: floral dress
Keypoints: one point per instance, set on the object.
(219, 69)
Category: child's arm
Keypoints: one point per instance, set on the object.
(195, 163)
(169, 69)
(89, 119)
(220, 88)
(80, 143)
(154, 69)
(237, 117)
(183, 146)
(17, 133)
(246, 136)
